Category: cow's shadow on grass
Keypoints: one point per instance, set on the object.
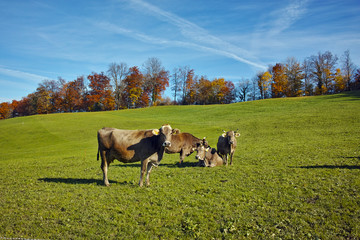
(77, 181)
(167, 165)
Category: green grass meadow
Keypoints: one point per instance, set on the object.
(296, 175)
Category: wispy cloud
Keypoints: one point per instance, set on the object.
(284, 18)
(21, 75)
(197, 37)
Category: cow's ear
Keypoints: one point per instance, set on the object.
(223, 135)
(237, 134)
(176, 131)
(155, 131)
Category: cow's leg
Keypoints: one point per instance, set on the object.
(231, 157)
(226, 159)
(143, 169)
(149, 167)
(182, 156)
(104, 167)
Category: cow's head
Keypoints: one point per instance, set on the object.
(231, 136)
(165, 133)
(201, 149)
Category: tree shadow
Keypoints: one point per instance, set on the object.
(350, 167)
(77, 181)
(347, 95)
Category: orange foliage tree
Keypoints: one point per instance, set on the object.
(135, 94)
(190, 87)
(5, 110)
(222, 91)
(73, 94)
(279, 86)
(42, 100)
(100, 96)
(204, 91)
(161, 82)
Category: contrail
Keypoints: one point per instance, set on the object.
(199, 37)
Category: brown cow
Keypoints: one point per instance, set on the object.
(183, 143)
(129, 146)
(208, 157)
(227, 145)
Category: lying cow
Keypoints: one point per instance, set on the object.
(127, 146)
(207, 156)
(227, 144)
(183, 143)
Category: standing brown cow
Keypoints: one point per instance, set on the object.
(129, 146)
(183, 143)
(227, 145)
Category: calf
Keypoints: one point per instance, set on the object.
(127, 146)
(227, 144)
(207, 156)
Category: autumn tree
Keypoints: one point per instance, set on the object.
(218, 94)
(340, 83)
(264, 83)
(23, 107)
(323, 68)
(100, 97)
(223, 91)
(14, 104)
(190, 87)
(134, 95)
(117, 73)
(73, 95)
(203, 91)
(5, 110)
(54, 87)
(279, 86)
(294, 78)
(42, 100)
(156, 78)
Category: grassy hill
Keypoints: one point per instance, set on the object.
(296, 174)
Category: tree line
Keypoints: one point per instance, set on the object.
(122, 87)
(317, 75)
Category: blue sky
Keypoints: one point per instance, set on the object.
(43, 39)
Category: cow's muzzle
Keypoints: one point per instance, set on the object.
(199, 158)
(167, 144)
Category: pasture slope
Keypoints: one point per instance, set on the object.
(296, 175)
